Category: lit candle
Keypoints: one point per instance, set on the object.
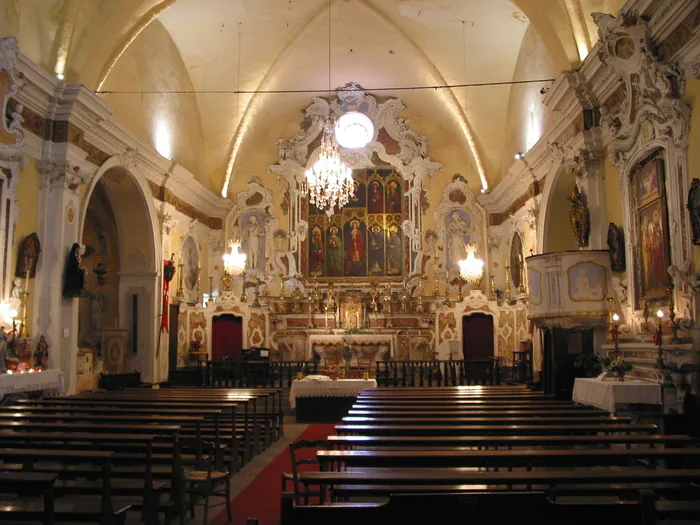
(616, 318)
(660, 315)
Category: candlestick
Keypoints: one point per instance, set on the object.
(616, 333)
(659, 330)
(672, 314)
(211, 288)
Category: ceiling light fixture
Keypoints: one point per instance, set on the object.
(354, 130)
(329, 181)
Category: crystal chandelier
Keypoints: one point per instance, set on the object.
(234, 262)
(471, 269)
(329, 181)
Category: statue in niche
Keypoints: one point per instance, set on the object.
(75, 279)
(15, 119)
(579, 216)
(253, 232)
(616, 245)
(282, 254)
(458, 232)
(694, 209)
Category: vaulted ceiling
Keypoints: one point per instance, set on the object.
(283, 45)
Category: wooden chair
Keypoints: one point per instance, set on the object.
(364, 364)
(301, 462)
(201, 480)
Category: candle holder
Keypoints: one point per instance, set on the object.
(658, 341)
(672, 314)
(616, 333)
(23, 331)
(211, 288)
(256, 301)
(460, 295)
(419, 296)
(507, 286)
(492, 285)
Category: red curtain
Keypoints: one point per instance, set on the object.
(227, 337)
(477, 336)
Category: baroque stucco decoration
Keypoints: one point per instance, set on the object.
(394, 144)
(11, 130)
(459, 202)
(646, 114)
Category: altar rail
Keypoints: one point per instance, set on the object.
(280, 374)
(439, 373)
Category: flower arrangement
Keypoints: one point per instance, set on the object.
(617, 366)
(195, 345)
(334, 372)
(590, 364)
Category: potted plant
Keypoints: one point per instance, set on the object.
(617, 367)
(589, 365)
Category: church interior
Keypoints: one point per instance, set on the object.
(231, 227)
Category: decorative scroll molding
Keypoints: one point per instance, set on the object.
(11, 129)
(395, 144)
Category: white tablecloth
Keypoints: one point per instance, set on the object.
(50, 380)
(328, 388)
(608, 394)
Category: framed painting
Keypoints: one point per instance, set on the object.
(652, 248)
(654, 251)
(116, 343)
(190, 258)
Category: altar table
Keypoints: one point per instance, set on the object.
(324, 400)
(49, 380)
(608, 394)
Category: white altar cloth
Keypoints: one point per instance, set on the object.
(51, 380)
(314, 386)
(608, 394)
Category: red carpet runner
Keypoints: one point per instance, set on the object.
(261, 499)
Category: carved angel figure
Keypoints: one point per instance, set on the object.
(579, 216)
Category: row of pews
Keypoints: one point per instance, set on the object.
(471, 454)
(94, 457)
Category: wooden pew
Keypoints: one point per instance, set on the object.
(22, 483)
(474, 407)
(509, 441)
(43, 460)
(475, 430)
(478, 507)
(478, 420)
(527, 458)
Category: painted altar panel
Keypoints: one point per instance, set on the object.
(256, 330)
(588, 281)
(447, 327)
(364, 239)
(506, 333)
(182, 341)
(198, 329)
(653, 251)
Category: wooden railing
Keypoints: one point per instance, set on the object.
(439, 373)
(252, 374)
(280, 374)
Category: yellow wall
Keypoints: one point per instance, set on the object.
(153, 63)
(27, 223)
(558, 236)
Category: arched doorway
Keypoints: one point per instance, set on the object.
(120, 303)
(227, 337)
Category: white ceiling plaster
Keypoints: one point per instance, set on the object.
(365, 49)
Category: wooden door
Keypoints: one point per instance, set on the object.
(227, 337)
(477, 337)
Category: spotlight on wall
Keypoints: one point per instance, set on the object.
(518, 156)
(59, 76)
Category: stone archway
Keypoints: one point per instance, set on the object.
(134, 280)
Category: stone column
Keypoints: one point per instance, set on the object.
(53, 316)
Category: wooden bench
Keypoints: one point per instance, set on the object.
(479, 420)
(485, 430)
(510, 441)
(479, 507)
(32, 483)
(524, 458)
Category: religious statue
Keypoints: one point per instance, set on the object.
(75, 278)
(16, 292)
(41, 354)
(579, 216)
(3, 350)
(616, 245)
(253, 232)
(28, 256)
(15, 119)
(694, 209)
(457, 230)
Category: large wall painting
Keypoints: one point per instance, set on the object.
(653, 251)
(365, 239)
